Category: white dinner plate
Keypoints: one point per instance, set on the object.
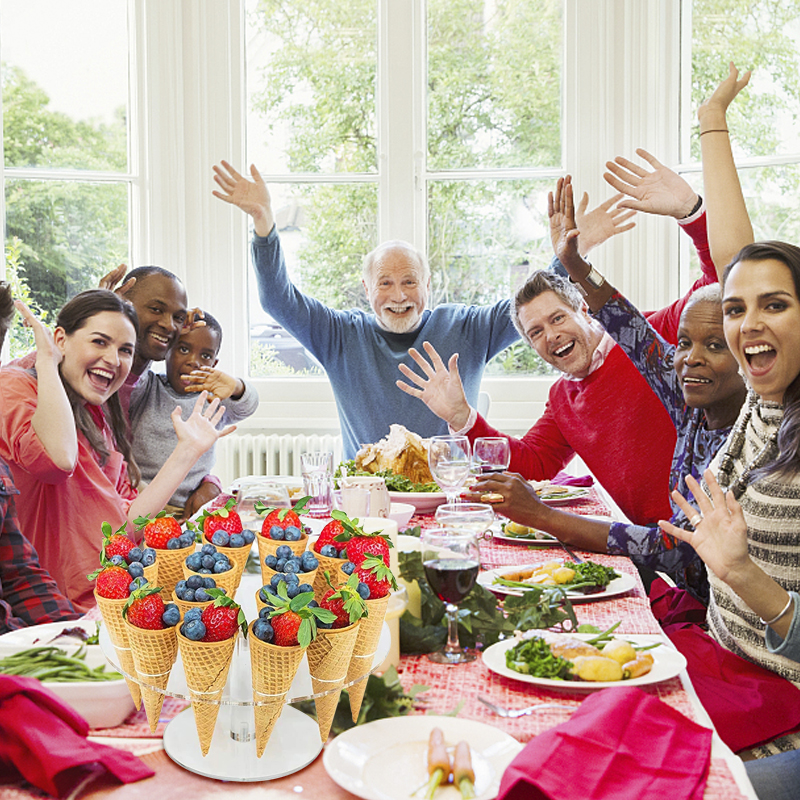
(424, 502)
(667, 663)
(616, 587)
(541, 538)
(43, 636)
(559, 495)
(387, 759)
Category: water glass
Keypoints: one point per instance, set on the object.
(476, 517)
(490, 454)
(449, 461)
(317, 469)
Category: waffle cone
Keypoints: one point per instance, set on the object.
(170, 569)
(328, 659)
(206, 665)
(369, 635)
(154, 654)
(267, 546)
(151, 574)
(334, 567)
(224, 580)
(273, 669)
(238, 557)
(185, 605)
(111, 611)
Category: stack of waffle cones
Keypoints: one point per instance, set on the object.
(111, 611)
(366, 646)
(273, 670)
(206, 665)
(154, 653)
(170, 569)
(238, 557)
(329, 656)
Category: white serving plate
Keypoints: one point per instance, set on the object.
(667, 663)
(387, 759)
(616, 587)
(424, 502)
(401, 513)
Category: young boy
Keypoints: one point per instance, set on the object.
(190, 364)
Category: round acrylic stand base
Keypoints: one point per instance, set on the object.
(294, 744)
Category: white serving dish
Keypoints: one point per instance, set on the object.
(401, 513)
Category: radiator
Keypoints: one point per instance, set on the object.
(239, 455)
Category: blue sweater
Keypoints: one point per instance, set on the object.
(361, 358)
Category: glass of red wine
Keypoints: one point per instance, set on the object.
(451, 560)
(490, 454)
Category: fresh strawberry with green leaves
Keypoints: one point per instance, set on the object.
(158, 530)
(224, 518)
(222, 618)
(294, 621)
(111, 582)
(116, 543)
(374, 572)
(329, 533)
(145, 608)
(358, 543)
(282, 517)
(345, 602)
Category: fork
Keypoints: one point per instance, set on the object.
(513, 713)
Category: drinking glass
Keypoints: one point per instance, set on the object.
(476, 517)
(491, 454)
(317, 469)
(259, 490)
(451, 561)
(449, 461)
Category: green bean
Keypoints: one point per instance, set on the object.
(53, 664)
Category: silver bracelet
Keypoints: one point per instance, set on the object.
(781, 614)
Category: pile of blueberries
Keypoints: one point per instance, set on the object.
(286, 561)
(135, 562)
(330, 551)
(193, 589)
(262, 627)
(193, 626)
(186, 539)
(293, 586)
(208, 561)
(291, 533)
(222, 538)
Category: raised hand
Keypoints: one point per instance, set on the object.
(111, 279)
(440, 388)
(249, 195)
(42, 335)
(712, 112)
(659, 191)
(601, 223)
(217, 383)
(199, 432)
(564, 233)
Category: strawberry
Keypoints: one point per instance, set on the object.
(287, 628)
(159, 529)
(113, 583)
(359, 547)
(377, 576)
(282, 517)
(294, 621)
(328, 535)
(345, 602)
(116, 543)
(222, 617)
(224, 518)
(145, 608)
(345, 532)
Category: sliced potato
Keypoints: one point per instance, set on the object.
(620, 651)
(564, 575)
(596, 668)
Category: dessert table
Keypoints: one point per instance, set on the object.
(449, 687)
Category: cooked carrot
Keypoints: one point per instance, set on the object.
(463, 774)
(438, 762)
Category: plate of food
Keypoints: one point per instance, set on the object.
(423, 502)
(582, 583)
(570, 662)
(556, 495)
(388, 759)
(514, 533)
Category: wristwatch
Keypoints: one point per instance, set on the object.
(594, 279)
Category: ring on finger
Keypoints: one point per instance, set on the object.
(696, 519)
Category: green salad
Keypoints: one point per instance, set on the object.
(394, 483)
(589, 578)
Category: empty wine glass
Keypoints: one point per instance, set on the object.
(449, 461)
(490, 454)
(476, 517)
(451, 561)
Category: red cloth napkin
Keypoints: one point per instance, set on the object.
(43, 740)
(562, 479)
(747, 703)
(621, 744)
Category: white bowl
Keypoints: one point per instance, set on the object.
(401, 513)
(103, 704)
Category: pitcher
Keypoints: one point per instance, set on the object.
(379, 500)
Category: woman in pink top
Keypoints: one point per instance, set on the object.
(64, 435)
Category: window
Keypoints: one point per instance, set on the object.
(66, 167)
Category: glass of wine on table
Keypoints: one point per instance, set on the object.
(449, 462)
(490, 454)
(451, 561)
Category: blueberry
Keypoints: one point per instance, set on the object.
(343, 553)
(134, 554)
(194, 630)
(209, 583)
(263, 594)
(291, 578)
(329, 551)
(220, 538)
(237, 540)
(271, 561)
(283, 551)
(171, 615)
(280, 564)
(148, 557)
(363, 590)
(137, 583)
(290, 567)
(276, 579)
(263, 630)
(119, 561)
(292, 590)
(205, 571)
(186, 539)
(194, 582)
(189, 595)
(306, 587)
(174, 543)
(309, 561)
(208, 549)
(220, 557)
(181, 584)
(348, 568)
(201, 595)
(193, 613)
(313, 604)
(325, 625)
(265, 612)
(292, 534)
(135, 570)
(194, 562)
(249, 536)
(276, 532)
(223, 590)
(269, 589)
(208, 561)
(221, 566)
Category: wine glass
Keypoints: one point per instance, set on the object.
(449, 461)
(477, 517)
(451, 561)
(491, 454)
